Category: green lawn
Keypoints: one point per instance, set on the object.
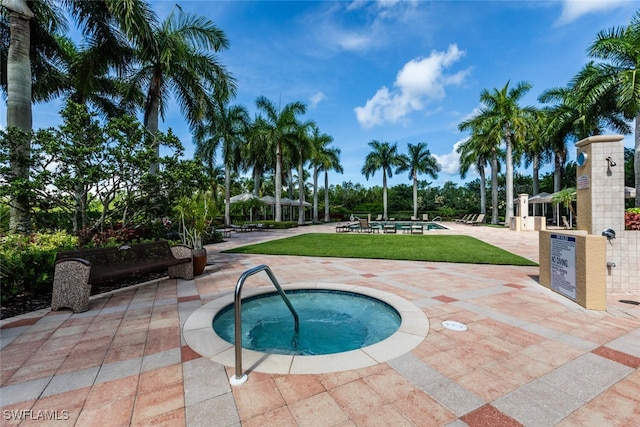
(438, 248)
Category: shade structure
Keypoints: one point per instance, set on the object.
(629, 193)
(296, 202)
(268, 200)
(540, 198)
(244, 197)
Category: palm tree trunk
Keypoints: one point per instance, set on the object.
(316, 171)
(384, 194)
(278, 178)
(151, 118)
(557, 172)
(301, 220)
(327, 216)
(227, 196)
(415, 196)
(494, 187)
(19, 105)
(509, 179)
(483, 189)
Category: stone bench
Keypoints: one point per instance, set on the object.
(78, 270)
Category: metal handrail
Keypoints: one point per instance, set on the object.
(239, 377)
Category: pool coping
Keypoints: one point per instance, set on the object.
(198, 334)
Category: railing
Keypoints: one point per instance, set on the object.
(239, 377)
(438, 218)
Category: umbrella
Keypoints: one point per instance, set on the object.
(541, 198)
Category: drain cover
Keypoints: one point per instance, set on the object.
(454, 326)
(628, 301)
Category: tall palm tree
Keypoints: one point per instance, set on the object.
(419, 160)
(619, 48)
(257, 155)
(227, 127)
(277, 126)
(323, 158)
(180, 57)
(383, 156)
(485, 139)
(19, 104)
(472, 154)
(536, 150)
(303, 148)
(30, 74)
(504, 113)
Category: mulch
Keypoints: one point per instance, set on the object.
(26, 303)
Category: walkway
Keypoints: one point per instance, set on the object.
(529, 357)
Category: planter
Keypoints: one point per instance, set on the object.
(199, 261)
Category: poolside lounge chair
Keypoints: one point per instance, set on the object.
(417, 229)
(425, 217)
(464, 218)
(414, 218)
(365, 227)
(379, 217)
(389, 228)
(470, 219)
(479, 220)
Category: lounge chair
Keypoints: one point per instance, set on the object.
(414, 218)
(365, 227)
(470, 219)
(379, 217)
(464, 218)
(417, 229)
(425, 217)
(479, 220)
(389, 228)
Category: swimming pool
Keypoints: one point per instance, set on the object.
(402, 225)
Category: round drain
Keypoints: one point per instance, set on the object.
(454, 326)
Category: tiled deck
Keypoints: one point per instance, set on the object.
(529, 357)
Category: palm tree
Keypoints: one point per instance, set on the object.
(503, 112)
(256, 154)
(180, 57)
(535, 149)
(30, 73)
(277, 126)
(485, 139)
(620, 49)
(472, 154)
(226, 126)
(386, 157)
(323, 158)
(419, 160)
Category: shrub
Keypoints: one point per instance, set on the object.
(28, 262)
(632, 219)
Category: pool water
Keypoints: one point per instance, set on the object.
(330, 322)
(399, 225)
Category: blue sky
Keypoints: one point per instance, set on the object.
(397, 71)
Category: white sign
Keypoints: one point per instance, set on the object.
(583, 182)
(563, 265)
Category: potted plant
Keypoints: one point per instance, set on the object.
(196, 214)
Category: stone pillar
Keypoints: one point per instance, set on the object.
(600, 183)
(600, 200)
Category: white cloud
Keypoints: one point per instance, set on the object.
(420, 80)
(574, 9)
(317, 98)
(450, 162)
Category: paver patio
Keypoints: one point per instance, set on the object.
(529, 356)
